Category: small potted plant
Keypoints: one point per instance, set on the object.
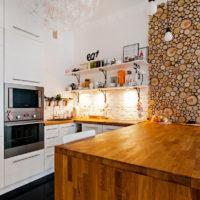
(58, 99)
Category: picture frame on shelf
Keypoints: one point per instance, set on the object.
(130, 52)
(113, 81)
(145, 51)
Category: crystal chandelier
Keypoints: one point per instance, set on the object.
(63, 15)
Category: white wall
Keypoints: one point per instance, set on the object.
(110, 34)
(59, 57)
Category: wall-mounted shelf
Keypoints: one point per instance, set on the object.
(111, 88)
(104, 90)
(111, 67)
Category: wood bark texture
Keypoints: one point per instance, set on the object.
(175, 65)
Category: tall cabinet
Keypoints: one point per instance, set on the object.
(24, 50)
(1, 97)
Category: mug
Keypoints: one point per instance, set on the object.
(91, 85)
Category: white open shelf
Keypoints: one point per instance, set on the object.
(111, 88)
(111, 67)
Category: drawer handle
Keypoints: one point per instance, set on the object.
(16, 161)
(17, 79)
(52, 137)
(67, 126)
(48, 156)
(27, 32)
(51, 129)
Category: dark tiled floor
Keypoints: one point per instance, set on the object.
(43, 191)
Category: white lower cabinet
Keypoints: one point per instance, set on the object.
(1, 163)
(24, 166)
(66, 129)
(96, 127)
(54, 136)
(99, 128)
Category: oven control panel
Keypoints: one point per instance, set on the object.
(16, 116)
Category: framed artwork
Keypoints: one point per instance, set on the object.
(114, 79)
(130, 51)
(145, 51)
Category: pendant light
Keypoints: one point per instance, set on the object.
(168, 34)
(152, 7)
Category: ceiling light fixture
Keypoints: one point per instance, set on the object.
(152, 7)
(63, 15)
(168, 34)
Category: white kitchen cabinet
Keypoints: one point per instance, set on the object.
(66, 129)
(98, 128)
(1, 162)
(24, 59)
(51, 131)
(1, 13)
(24, 166)
(1, 36)
(49, 160)
(107, 128)
(1, 91)
(54, 136)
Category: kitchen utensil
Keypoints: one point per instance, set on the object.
(91, 85)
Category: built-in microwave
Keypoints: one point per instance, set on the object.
(23, 102)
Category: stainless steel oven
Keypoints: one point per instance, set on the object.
(23, 102)
(24, 119)
(23, 137)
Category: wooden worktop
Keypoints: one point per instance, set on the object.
(113, 122)
(167, 152)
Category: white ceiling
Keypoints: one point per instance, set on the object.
(109, 7)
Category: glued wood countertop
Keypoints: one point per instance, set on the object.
(168, 152)
(113, 122)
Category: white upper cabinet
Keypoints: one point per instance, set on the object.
(24, 59)
(1, 22)
(1, 13)
(18, 14)
(1, 91)
(24, 51)
(1, 36)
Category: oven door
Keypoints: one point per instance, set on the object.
(23, 137)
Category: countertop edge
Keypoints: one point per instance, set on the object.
(154, 173)
(111, 123)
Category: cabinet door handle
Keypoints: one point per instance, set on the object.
(90, 127)
(52, 137)
(16, 161)
(27, 32)
(51, 129)
(48, 156)
(68, 126)
(17, 79)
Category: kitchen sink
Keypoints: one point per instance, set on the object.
(59, 120)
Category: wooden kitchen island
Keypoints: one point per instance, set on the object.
(142, 162)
